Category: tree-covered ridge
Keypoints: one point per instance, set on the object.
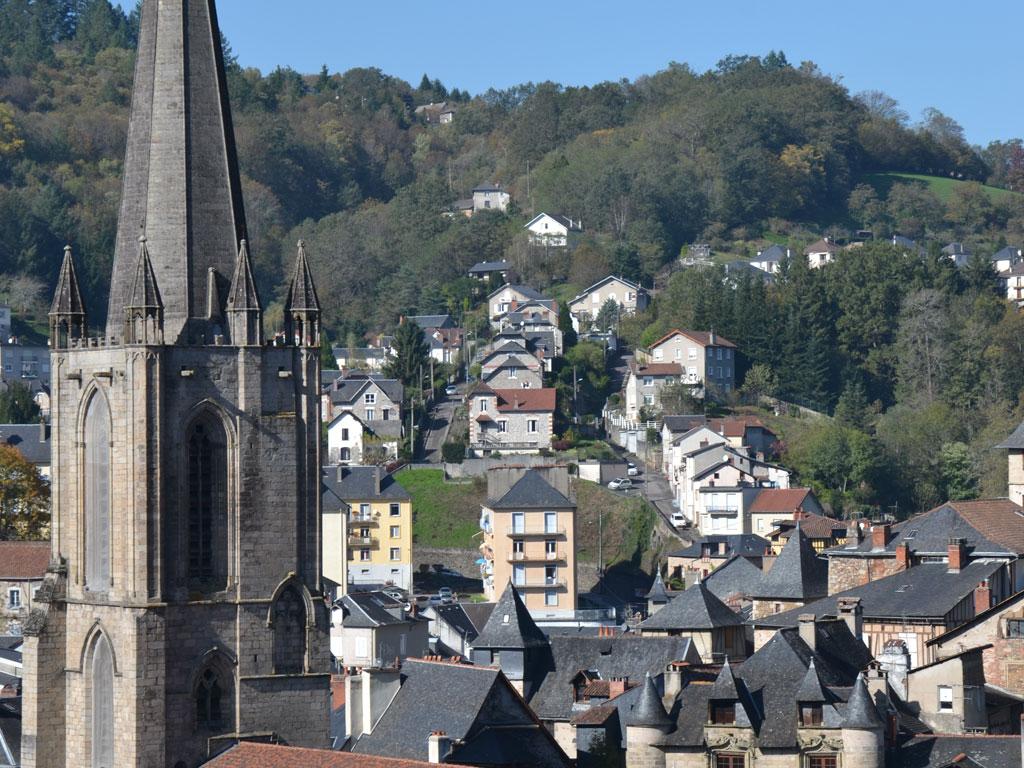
(754, 146)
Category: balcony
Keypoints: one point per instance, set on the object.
(357, 519)
(721, 511)
(535, 532)
(363, 541)
(537, 557)
(540, 584)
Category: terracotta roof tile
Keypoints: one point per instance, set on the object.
(779, 500)
(24, 559)
(522, 400)
(659, 369)
(701, 337)
(250, 755)
(814, 526)
(999, 520)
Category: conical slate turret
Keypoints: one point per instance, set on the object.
(67, 312)
(649, 711)
(861, 713)
(181, 180)
(302, 293)
(144, 309)
(244, 311)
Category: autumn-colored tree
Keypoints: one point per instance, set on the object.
(24, 498)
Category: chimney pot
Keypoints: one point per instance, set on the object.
(903, 556)
(957, 554)
(982, 597)
(807, 629)
(880, 535)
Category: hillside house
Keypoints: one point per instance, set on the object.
(782, 505)
(770, 259)
(32, 441)
(490, 197)
(644, 382)
(510, 365)
(506, 298)
(1006, 258)
(551, 230)
(708, 359)
(363, 410)
(628, 296)
(441, 113)
(371, 628)
(1012, 281)
(958, 253)
(22, 567)
(822, 252)
(510, 420)
(491, 270)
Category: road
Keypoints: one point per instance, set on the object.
(438, 423)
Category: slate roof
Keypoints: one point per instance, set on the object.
(21, 560)
(604, 281)
(773, 253)
(432, 321)
(683, 423)
(701, 337)
(525, 290)
(483, 267)
(624, 655)
(25, 437)
(456, 617)
(475, 705)
(744, 544)
(302, 292)
(657, 593)
(532, 491)
(369, 610)
(813, 526)
(943, 751)
(144, 293)
(691, 609)
(797, 573)
(67, 299)
(243, 294)
(649, 711)
(989, 527)
(249, 754)
(1016, 440)
(861, 712)
(1008, 252)
(360, 484)
(811, 690)
(347, 390)
(926, 591)
(1005, 605)
(510, 625)
(736, 576)
(478, 614)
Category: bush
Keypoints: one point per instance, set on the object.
(453, 452)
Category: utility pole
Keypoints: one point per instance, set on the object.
(600, 543)
(575, 394)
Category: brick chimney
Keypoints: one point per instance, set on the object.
(880, 535)
(982, 597)
(617, 686)
(807, 629)
(852, 612)
(439, 746)
(957, 554)
(903, 556)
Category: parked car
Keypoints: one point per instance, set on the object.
(621, 484)
(679, 520)
(397, 594)
(446, 595)
(632, 470)
(451, 390)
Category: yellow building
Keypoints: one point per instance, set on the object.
(529, 538)
(367, 528)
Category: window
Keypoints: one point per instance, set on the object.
(719, 353)
(344, 434)
(502, 426)
(723, 712)
(550, 549)
(518, 522)
(370, 398)
(97, 495)
(518, 575)
(679, 353)
(289, 632)
(711, 353)
(364, 555)
(1015, 628)
(551, 598)
(395, 510)
(207, 503)
(370, 414)
(945, 698)
(822, 761)
(345, 454)
(550, 575)
(810, 714)
(482, 404)
(729, 760)
(531, 426)
(396, 553)
(14, 597)
(102, 703)
(396, 531)
(691, 353)
(385, 414)
(648, 381)
(648, 399)
(550, 522)
(364, 533)
(208, 697)
(513, 373)
(659, 354)
(517, 547)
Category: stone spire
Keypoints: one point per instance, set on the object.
(181, 180)
(244, 310)
(67, 312)
(302, 310)
(144, 309)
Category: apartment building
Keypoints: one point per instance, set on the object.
(378, 527)
(510, 420)
(707, 358)
(529, 538)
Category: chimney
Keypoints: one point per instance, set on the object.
(982, 597)
(880, 535)
(957, 554)
(853, 534)
(377, 478)
(617, 686)
(42, 430)
(439, 746)
(852, 612)
(673, 680)
(378, 688)
(902, 556)
(807, 629)
(340, 469)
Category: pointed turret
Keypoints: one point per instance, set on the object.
(67, 312)
(725, 688)
(649, 711)
(144, 310)
(861, 712)
(244, 310)
(798, 573)
(302, 311)
(181, 181)
(811, 691)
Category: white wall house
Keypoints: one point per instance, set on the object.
(490, 197)
(506, 298)
(821, 253)
(551, 230)
(627, 295)
(770, 259)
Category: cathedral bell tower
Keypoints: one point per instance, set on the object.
(183, 609)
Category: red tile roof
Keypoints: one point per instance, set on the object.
(998, 520)
(525, 400)
(24, 559)
(779, 500)
(822, 246)
(250, 755)
(736, 427)
(659, 369)
(701, 337)
(814, 526)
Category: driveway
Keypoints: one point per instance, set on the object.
(438, 424)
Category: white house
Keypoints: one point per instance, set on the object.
(490, 197)
(958, 254)
(770, 259)
(552, 230)
(706, 358)
(1006, 258)
(506, 298)
(350, 440)
(821, 253)
(627, 295)
(1013, 283)
(363, 411)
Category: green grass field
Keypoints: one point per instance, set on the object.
(941, 187)
(445, 515)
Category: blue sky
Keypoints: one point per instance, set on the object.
(963, 58)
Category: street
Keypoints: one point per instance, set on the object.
(438, 422)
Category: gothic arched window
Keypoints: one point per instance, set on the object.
(206, 497)
(102, 672)
(97, 494)
(209, 700)
(289, 632)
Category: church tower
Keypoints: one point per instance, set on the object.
(183, 607)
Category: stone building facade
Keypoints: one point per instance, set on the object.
(182, 610)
